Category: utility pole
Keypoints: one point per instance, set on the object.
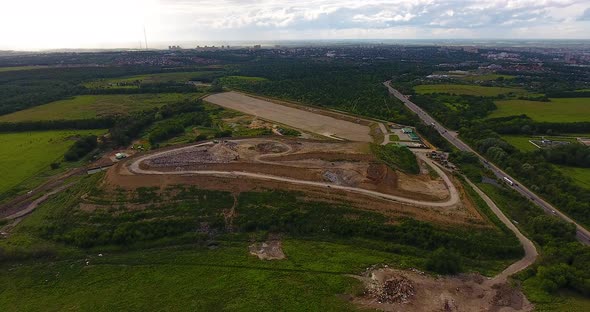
(145, 37)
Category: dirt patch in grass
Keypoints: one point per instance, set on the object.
(413, 291)
(269, 250)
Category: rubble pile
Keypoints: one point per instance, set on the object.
(397, 289)
(218, 153)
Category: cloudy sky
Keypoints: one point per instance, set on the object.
(43, 24)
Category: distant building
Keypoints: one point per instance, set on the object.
(410, 132)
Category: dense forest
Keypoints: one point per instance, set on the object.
(355, 88)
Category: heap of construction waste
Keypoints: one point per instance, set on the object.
(397, 289)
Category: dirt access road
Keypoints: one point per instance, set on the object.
(302, 119)
(452, 200)
(582, 233)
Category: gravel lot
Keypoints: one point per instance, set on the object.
(305, 120)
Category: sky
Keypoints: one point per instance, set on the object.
(51, 24)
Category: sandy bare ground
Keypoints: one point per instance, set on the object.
(296, 118)
(423, 292)
(227, 152)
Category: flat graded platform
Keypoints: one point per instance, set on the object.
(297, 118)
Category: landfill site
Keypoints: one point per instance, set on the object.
(389, 289)
(333, 171)
(341, 172)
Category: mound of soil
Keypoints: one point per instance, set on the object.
(414, 291)
(271, 148)
(397, 289)
(270, 250)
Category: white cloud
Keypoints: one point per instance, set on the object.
(91, 23)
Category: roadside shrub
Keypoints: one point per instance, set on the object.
(81, 148)
(444, 261)
(397, 157)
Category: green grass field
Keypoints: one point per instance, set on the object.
(486, 77)
(91, 106)
(25, 154)
(581, 176)
(467, 90)
(193, 278)
(557, 110)
(149, 78)
(17, 68)
(520, 142)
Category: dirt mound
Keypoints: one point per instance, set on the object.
(270, 250)
(507, 296)
(218, 153)
(376, 172)
(397, 289)
(271, 148)
(413, 291)
(326, 156)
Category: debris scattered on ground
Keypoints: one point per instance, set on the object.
(394, 290)
(270, 250)
(412, 290)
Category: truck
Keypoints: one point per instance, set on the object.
(508, 181)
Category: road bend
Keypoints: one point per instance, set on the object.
(452, 200)
(582, 234)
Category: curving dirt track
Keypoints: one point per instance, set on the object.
(136, 167)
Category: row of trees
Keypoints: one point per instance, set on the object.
(129, 127)
(453, 110)
(533, 169)
(576, 155)
(81, 148)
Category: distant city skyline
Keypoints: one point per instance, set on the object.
(91, 24)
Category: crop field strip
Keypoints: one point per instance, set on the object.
(557, 110)
(467, 90)
(129, 82)
(25, 154)
(93, 106)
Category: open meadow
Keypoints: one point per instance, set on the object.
(520, 142)
(557, 110)
(485, 77)
(92, 106)
(581, 176)
(18, 68)
(25, 154)
(467, 90)
(135, 81)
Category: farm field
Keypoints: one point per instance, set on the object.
(25, 154)
(92, 106)
(520, 142)
(485, 77)
(297, 118)
(557, 110)
(134, 81)
(241, 79)
(467, 90)
(311, 278)
(581, 176)
(17, 68)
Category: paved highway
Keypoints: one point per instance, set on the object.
(582, 234)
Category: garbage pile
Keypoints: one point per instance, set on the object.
(395, 290)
